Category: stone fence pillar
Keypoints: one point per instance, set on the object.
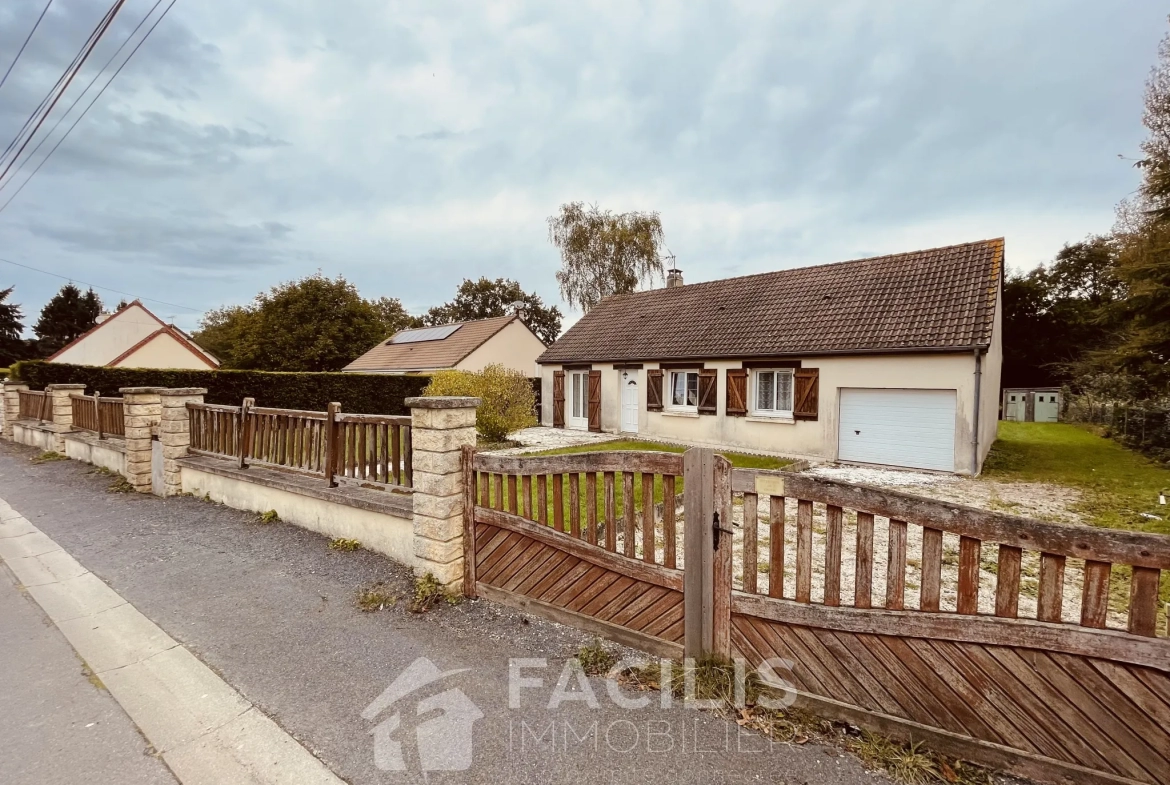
(142, 409)
(174, 431)
(440, 427)
(12, 405)
(62, 409)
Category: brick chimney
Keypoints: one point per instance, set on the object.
(673, 278)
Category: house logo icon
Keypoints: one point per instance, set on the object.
(444, 741)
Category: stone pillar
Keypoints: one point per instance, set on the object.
(12, 405)
(142, 408)
(440, 427)
(62, 411)
(174, 431)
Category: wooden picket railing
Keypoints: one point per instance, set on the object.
(369, 449)
(103, 416)
(35, 405)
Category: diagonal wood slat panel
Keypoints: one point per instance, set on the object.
(520, 564)
(1105, 716)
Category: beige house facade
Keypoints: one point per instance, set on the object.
(893, 361)
(464, 346)
(133, 337)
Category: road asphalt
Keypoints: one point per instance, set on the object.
(270, 609)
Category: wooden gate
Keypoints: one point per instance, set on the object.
(587, 540)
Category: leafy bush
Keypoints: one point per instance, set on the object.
(359, 393)
(508, 401)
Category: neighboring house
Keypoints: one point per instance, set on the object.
(893, 360)
(135, 338)
(1032, 404)
(466, 346)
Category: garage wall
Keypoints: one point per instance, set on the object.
(989, 394)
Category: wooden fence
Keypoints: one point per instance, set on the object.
(103, 416)
(369, 449)
(1028, 646)
(35, 405)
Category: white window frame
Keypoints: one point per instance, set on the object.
(669, 404)
(571, 420)
(778, 414)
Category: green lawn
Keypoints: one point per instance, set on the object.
(738, 460)
(1118, 484)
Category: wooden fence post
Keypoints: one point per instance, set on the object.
(242, 436)
(97, 413)
(698, 550)
(331, 412)
(722, 567)
(469, 520)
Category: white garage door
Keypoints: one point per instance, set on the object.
(914, 428)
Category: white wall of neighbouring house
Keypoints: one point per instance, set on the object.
(990, 392)
(164, 351)
(111, 338)
(816, 439)
(515, 347)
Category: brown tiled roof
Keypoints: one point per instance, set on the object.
(424, 355)
(942, 298)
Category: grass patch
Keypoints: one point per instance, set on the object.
(49, 457)
(121, 485)
(269, 516)
(101, 471)
(912, 763)
(428, 593)
(342, 544)
(374, 598)
(596, 659)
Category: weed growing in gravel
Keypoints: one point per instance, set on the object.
(428, 592)
(375, 598)
(342, 544)
(596, 659)
(102, 471)
(911, 763)
(121, 485)
(269, 517)
(50, 456)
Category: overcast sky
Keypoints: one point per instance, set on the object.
(410, 145)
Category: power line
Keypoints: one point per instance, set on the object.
(90, 105)
(79, 96)
(96, 286)
(26, 40)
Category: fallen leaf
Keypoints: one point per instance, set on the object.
(800, 740)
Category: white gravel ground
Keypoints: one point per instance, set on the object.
(541, 438)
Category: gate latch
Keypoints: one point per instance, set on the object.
(716, 529)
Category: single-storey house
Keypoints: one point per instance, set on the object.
(133, 337)
(466, 346)
(892, 360)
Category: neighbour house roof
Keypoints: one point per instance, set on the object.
(427, 348)
(932, 300)
(179, 336)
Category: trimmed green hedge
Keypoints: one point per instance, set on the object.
(360, 393)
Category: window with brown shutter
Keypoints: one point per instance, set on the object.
(654, 390)
(708, 386)
(595, 400)
(736, 392)
(806, 397)
(558, 399)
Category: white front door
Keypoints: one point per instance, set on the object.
(578, 400)
(913, 428)
(630, 401)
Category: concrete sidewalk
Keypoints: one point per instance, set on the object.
(58, 724)
(270, 609)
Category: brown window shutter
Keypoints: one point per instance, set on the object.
(736, 392)
(558, 399)
(806, 396)
(654, 390)
(595, 401)
(708, 385)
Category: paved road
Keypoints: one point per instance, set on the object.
(270, 608)
(56, 727)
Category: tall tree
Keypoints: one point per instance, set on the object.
(12, 346)
(392, 317)
(224, 333)
(485, 298)
(1143, 235)
(69, 314)
(603, 253)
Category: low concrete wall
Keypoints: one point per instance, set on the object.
(109, 453)
(390, 533)
(29, 433)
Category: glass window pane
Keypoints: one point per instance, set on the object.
(765, 390)
(678, 388)
(578, 395)
(692, 389)
(784, 391)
